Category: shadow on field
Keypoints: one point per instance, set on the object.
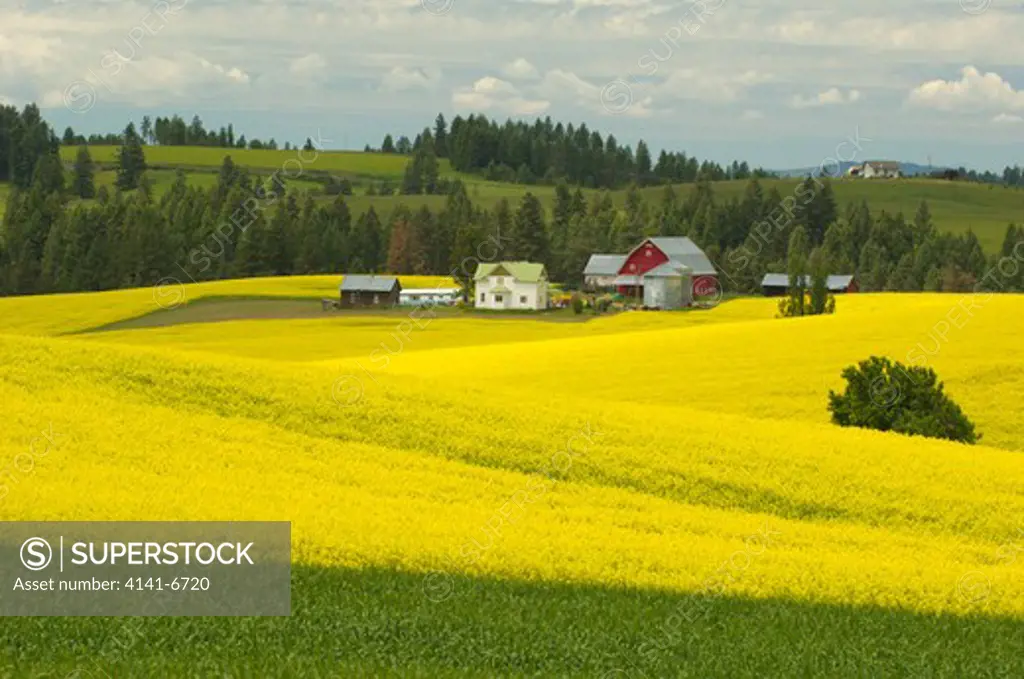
(214, 309)
(378, 622)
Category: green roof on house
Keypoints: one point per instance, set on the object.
(524, 272)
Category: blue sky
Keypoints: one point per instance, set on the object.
(779, 83)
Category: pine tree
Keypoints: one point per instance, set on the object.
(635, 222)
(401, 245)
(561, 217)
(424, 230)
(924, 230)
(337, 247)
(818, 265)
(465, 251)
(531, 238)
(644, 176)
(367, 239)
(412, 179)
(131, 160)
(796, 264)
(440, 137)
(429, 167)
(84, 185)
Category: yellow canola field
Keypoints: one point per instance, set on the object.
(437, 473)
(369, 338)
(778, 369)
(77, 312)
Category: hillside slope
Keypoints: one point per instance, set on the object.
(531, 480)
(955, 206)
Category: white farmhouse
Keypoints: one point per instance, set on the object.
(511, 285)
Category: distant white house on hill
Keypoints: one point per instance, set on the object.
(511, 285)
(884, 169)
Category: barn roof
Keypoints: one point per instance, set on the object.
(669, 269)
(604, 265)
(368, 284)
(781, 280)
(686, 252)
(524, 272)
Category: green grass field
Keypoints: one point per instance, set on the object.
(378, 623)
(341, 163)
(955, 207)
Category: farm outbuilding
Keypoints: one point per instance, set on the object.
(365, 291)
(668, 286)
(654, 252)
(602, 270)
(777, 284)
(428, 296)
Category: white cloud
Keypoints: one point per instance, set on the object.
(703, 84)
(151, 81)
(1007, 118)
(520, 69)
(233, 73)
(402, 63)
(494, 94)
(25, 52)
(830, 97)
(400, 78)
(489, 85)
(973, 91)
(309, 66)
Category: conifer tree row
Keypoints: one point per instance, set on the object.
(125, 236)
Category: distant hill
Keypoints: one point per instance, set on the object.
(908, 169)
(955, 206)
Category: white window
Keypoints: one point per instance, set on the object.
(483, 297)
(522, 299)
(498, 298)
(376, 299)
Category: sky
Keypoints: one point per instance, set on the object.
(777, 83)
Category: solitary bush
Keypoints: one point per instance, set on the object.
(577, 304)
(888, 396)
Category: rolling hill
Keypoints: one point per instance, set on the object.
(622, 497)
(956, 207)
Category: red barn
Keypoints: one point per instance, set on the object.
(654, 252)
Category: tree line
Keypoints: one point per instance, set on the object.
(24, 138)
(543, 152)
(128, 237)
(546, 152)
(248, 226)
(174, 131)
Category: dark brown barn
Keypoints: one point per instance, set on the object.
(363, 291)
